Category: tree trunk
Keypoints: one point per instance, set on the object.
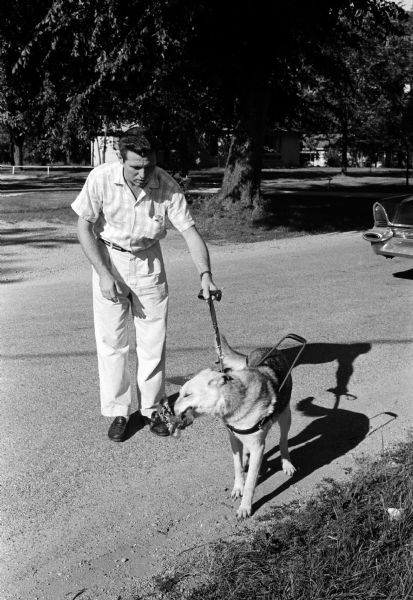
(19, 151)
(344, 147)
(105, 143)
(242, 176)
(185, 154)
(11, 152)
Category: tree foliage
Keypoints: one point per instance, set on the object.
(192, 68)
(365, 100)
(19, 89)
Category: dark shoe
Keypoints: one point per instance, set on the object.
(117, 431)
(157, 425)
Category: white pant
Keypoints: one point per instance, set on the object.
(145, 293)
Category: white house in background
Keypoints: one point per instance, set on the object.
(315, 149)
(282, 149)
(316, 155)
(104, 148)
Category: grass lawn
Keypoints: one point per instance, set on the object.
(297, 201)
(352, 541)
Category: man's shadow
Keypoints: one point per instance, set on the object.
(343, 354)
(333, 433)
(313, 354)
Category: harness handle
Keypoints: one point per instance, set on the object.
(217, 294)
(292, 336)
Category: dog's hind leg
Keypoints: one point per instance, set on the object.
(237, 454)
(284, 421)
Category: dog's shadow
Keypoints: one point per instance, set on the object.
(332, 433)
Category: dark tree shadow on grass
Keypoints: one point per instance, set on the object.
(47, 237)
(316, 214)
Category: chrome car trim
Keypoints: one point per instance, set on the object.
(380, 215)
(393, 237)
(378, 234)
(403, 232)
(394, 247)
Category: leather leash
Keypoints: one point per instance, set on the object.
(217, 294)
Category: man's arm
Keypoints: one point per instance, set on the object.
(200, 256)
(96, 253)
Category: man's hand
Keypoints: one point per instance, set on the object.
(200, 256)
(97, 255)
(207, 285)
(109, 287)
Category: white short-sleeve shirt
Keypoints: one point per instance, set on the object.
(133, 223)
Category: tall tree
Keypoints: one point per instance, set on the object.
(193, 64)
(260, 57)
(365, 92)
(19, 90)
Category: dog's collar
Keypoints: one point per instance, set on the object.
(253, 429)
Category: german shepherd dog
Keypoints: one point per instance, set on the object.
(248, 398)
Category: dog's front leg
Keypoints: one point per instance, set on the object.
(256, 455)
(237, 450)
(284, 421)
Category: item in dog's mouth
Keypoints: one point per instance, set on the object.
(175, 424)
(188, 417)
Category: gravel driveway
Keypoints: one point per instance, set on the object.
(83, 516)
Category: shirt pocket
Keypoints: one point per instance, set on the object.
(155, 227)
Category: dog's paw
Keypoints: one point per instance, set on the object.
(237, 491)
(244, 512)
(288, 467)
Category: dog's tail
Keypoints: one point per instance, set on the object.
(231, 358)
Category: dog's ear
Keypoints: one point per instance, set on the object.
(220, 379)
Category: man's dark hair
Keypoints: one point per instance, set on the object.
(136, 140)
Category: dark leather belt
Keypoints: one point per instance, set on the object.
(115, 246)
